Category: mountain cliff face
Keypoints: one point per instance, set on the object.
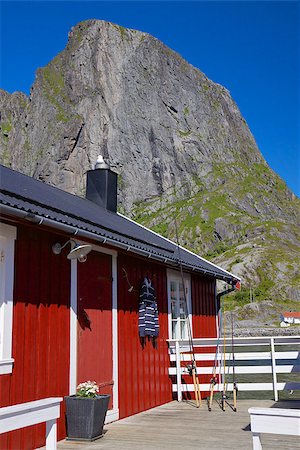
(178, 142)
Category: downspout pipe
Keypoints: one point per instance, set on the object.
(227, 291)
(220, 294)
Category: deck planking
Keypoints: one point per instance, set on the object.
(183, 426)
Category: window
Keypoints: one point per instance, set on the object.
(179, 312)
(7, 245)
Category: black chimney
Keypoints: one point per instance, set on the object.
(101, 187)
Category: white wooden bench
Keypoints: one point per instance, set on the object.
(31, 413)
(273, 421)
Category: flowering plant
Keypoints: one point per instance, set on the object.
(87, 389)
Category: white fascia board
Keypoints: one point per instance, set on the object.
(182, 248)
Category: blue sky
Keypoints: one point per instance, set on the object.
(251, 48)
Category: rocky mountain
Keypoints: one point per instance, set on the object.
(178, 142)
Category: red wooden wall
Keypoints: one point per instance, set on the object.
(143, 371)
(203, 307)
(95, 360)
(204, 320)
(40, 332)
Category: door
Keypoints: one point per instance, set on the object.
(95, 357)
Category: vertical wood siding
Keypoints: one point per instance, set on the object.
(204, 320)
(143, 370)
(40, 332)
(203, 307)
(95, 321)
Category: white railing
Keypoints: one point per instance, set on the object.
(31, 413)
(273, 421)
(271, 362)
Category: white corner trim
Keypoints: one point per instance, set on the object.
(115, 336)
(8, 236)
(73, 329)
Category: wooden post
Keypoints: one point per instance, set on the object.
(256, 441)
(51, 434)
(273, 358)
(178, 371)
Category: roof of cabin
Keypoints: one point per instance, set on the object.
(19, 192)
(291, 314)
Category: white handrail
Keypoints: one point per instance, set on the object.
(252, 340)
(272, 361)
(273, 421)
(31, 413)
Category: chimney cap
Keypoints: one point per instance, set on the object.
(101, 164)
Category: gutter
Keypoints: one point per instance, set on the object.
(73, 231)
(227, 291)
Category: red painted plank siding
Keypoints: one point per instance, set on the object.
(143, 370)
(204, 321)
(95, 321)
(203, 307)
(40, 332)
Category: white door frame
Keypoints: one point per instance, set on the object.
(112, 414)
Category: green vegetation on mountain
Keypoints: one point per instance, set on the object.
(181, 148)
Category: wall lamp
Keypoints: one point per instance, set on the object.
(77, 251)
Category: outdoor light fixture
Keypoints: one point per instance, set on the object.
(78, 251)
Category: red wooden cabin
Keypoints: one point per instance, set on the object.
(63, 322)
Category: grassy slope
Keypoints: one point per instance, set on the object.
(255, 243)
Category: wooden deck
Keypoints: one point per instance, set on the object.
(182, 426)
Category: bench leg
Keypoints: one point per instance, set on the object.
(256, 441)
(51, 434)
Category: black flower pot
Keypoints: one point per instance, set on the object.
(85, 417)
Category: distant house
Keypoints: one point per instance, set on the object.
(67, 319)
(290, 317)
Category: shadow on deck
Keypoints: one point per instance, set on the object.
(179, 426)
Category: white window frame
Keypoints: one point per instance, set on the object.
(173, 275)
(8, 236)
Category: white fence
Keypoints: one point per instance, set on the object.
(271, 361)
